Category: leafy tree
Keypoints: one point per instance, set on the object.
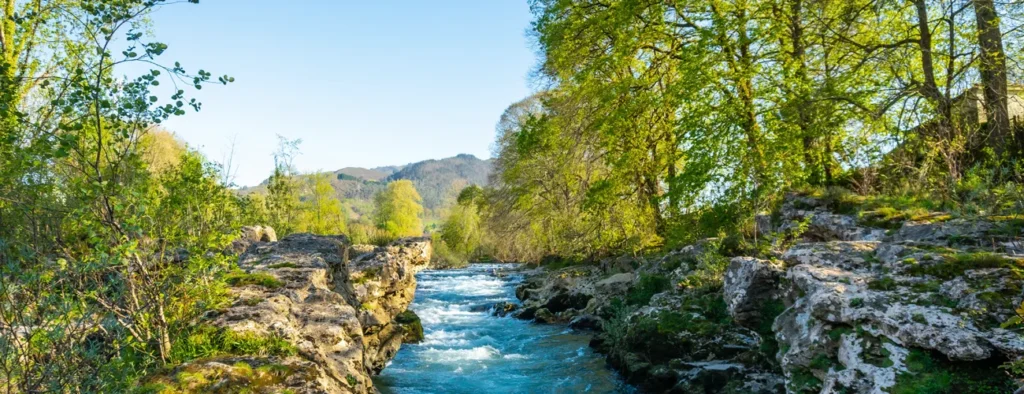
(322, 211)
(397, 209)
(107, 251)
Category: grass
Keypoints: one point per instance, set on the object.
(241, 377)
(955, 265)
(240, 278)
(208, 341)
(888, 212)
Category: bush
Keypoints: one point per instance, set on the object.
(205, 341)
(646, 288)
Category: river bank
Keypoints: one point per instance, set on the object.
(821, 302)
(466, 349)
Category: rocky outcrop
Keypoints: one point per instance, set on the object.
(834, 306)
(251, 235)
(342, 308)
(750, 284)
(858, 310)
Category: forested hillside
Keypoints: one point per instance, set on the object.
(438, 182)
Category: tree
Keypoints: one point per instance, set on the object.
(322, 212)
(992, 68)
(283, 203)
(397, 209)
(104, 262)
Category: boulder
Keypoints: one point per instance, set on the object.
(750, 283)
(586, 323)
(616, 284)
(503, 309)
(251, 235)
(543, 315)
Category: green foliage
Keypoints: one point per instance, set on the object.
(205, 341)
(398, 210)
(368, 234)
(444, 256)
(113, 232)
(885, 283)
(647, 287)
(955, 265)
(322, 212)
(929, 374)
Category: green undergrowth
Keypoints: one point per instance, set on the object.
(955, 265)
(646, 288)
(240, 378)
(883, 211)
(932, 373)
(205, 341)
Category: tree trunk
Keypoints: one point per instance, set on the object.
(993, 73)
(929, 89)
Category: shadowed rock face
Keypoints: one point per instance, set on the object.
(336, 303)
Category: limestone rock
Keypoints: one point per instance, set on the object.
(251, 235)
(344, 316)
(749, 284)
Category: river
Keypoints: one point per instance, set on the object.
(470, 351)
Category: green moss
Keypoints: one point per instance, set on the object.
(836, 333)
(803, 381)
(857, 302)
(239, 278)
(930, 373)
(412, 325)
(769, 346)
(366, 276)
(283, 265)
(954, 266)
(823, 362)
(885, 283)
(351, 380)
(241, 378)
(928, 286)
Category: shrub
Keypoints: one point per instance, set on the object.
(208, 341)
(646, 288)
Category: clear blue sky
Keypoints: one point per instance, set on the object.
(362, 83)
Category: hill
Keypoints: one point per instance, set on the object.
(438, 182)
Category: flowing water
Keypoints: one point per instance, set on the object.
(466, 350)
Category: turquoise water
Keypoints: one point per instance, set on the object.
(468, 351)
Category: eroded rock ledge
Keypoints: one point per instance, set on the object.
(342, 307)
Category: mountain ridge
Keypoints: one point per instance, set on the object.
(437, 180)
